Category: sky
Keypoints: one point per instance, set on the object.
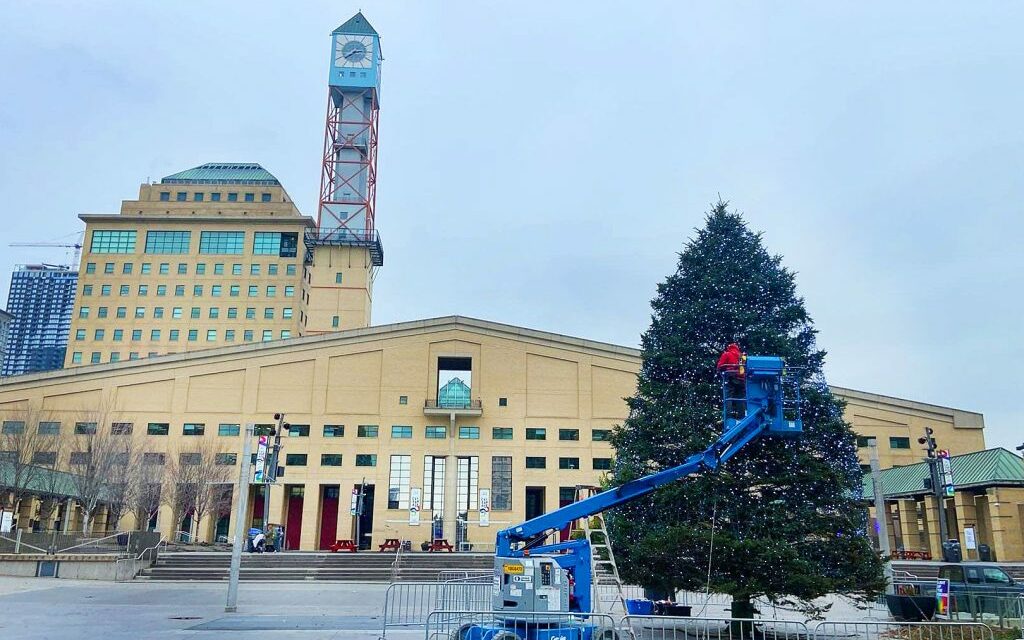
(542, 164)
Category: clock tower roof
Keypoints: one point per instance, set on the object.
(357, 25)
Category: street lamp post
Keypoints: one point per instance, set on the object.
(243, 500)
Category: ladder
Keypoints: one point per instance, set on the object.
(607, 592)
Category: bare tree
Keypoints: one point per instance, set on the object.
(53, 485)
(99, 466)
(148, 478)
(195, 478)
(20, 446)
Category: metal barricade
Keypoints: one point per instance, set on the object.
(408, 604)
(457, 625)
(1003, 611)
(482, 575)
(684, 628)
(880, 630)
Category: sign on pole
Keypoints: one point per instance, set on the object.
(353, 507)
(260, 476)
(485, 507)
(415, 504)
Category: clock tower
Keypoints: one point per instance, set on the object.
(346, 247)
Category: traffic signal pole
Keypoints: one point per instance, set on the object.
(938, 485)
(881, 515)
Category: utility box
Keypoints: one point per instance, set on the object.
(530, 585)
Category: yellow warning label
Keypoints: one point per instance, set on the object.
(512, 568)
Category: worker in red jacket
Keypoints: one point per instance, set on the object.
(730, 363)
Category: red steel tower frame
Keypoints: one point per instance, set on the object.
(352, 117)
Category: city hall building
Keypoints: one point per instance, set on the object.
(209, 302)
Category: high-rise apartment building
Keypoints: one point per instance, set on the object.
(40, 299)
(5, 330)
(210, 256)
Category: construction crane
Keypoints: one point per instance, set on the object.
(534, 577)
(77, 246)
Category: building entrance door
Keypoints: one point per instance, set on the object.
(365, 520)
(293, 525)
(329, 495)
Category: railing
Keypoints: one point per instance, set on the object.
(879, 630)
(1004, 611)
(149, 554)
(683, 627)
(452, 404)
(17, 545)
(396, 565)
(483, 576)
(407, 605)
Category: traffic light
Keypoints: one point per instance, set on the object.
(929, 441)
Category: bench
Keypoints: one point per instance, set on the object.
(440, 544)
(911, 555)
(343, 545)
(391, 544)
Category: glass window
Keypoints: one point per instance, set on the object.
(80, 334)
(152, 458)
(161, 290)
(197, 291)
(13, 427)
(108, 267)
(181, 196)
(899, 443)
(182, 269)
(232, 312)
(133, 355)
(533, 462)
(295, 459)
(201, 269)
(143, 289)
(197, 196)
(264, 197)
(272, 269)
(122, 312)
(973, 575)
(168, 242)
(76, 357)
(254, 290)
(228, 430)
(289, 270)
(98, 334)
(226, 459)
(49, 428)
(249, 197)
(95, 358)
(254, 269)
(334, 430)
(469, 433)
(218, 269)
(115, 356)
(215, 197)
(214, 312)
(90, 267)
(863, 441)
(229, 335)
(996, 576)
(83, 312)
(601, 435)
(330, 459)
(211, 335)
(215, 290)
(125, 289)
(136, 334)
(179, 290)
(193, 335)
(165, 268)
(118, 335)
(338, 277)
(190, 459)
(79, 457)
(236, 269)
(154, 334)
(87, 290)
(121, 428)
(112, 242)
(401, 431)
(335, 321)
(299, 431)
(366, 459)
(165, 196)
(289, 291)
(140, 312)
(173, 336)
(271, 291)
(367, 431)
(437, 432)
(568, 463)
(193, 429)
(568, 434)
(126, 268)
(536, 433)
(232, 197)
(398, 482)
(85, 428)
(286, 313)
(222, 242)
(268, 335)
(501, 483)
(101, 312)
(44, 458)
(403, 399)
(194, 313)
(176, 313)
(268, 313)
(247, 335)
(273, 243)
(147, 268)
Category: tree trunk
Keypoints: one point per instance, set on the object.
(742, 611)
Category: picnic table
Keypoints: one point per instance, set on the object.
(391, 544)
(343, 545)
(440, 544)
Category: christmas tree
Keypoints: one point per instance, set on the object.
(784, 518)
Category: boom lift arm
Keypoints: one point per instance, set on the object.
(519, 550)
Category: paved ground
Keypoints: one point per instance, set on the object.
(33, 608)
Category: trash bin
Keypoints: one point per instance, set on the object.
(984, 553)
(951, 551)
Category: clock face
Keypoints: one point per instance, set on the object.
(353, 51)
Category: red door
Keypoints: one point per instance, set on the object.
(329, 516)
(293, 526)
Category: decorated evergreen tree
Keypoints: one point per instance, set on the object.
(784, 518)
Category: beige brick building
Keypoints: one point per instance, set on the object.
(368, 408)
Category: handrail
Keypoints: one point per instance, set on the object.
(136, 559)
(85, 544)
(396, 566)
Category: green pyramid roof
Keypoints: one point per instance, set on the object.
(357, 25)
(988, 468)
(223, 173)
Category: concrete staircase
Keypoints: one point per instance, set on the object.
(298, 565)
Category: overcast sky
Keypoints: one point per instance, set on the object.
(541, 164)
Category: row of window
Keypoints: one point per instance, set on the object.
(270, 243)
(164, 268)
(195, 313)
(215, 290)
(895, 442)
(302, 430)
(174, 335)
(200, 196)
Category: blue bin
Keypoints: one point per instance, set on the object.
(639, 607)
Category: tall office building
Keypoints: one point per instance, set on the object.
(40, 299)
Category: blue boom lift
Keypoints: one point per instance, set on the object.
(533, 578)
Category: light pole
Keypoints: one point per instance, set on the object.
(881, 513)
(243, 500)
